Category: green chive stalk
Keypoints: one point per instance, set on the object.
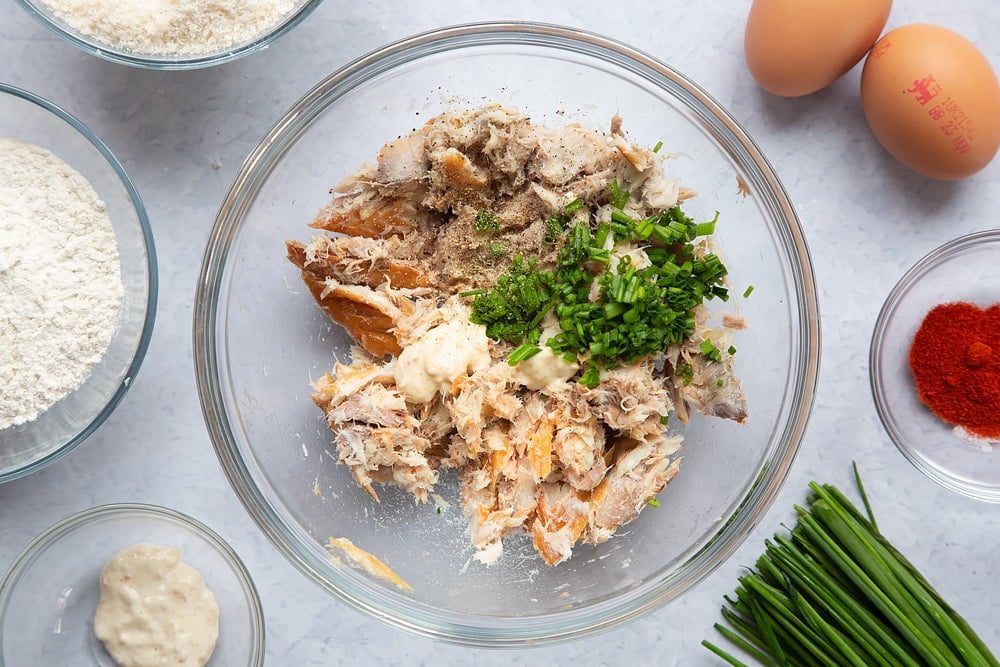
(835, 592)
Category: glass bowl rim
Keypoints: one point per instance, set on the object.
(565, 625)
(161, 62)
(149, 317)
(933, 259)
(53, 533)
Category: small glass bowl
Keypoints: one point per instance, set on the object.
(94, 46)
(964, 269)
(49, 594)
(27, 447)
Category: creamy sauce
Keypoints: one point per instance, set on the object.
(445, 352)
(155, 611)
(544, 370)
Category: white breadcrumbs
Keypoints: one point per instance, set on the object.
(171, 27)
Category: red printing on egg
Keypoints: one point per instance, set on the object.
(880, 49)
(931, 99)
(948, 114)
(924, 89)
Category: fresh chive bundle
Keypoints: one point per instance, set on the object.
(835, 592)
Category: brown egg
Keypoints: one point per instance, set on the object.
(932, 100)
(796, 47)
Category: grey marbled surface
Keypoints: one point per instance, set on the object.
(183, 135)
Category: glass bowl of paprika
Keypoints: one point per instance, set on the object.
(935, 365)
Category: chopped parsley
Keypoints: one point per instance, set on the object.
(486, 221)
(638, 312)
(514, 307)
(591, 376)
(554, 227)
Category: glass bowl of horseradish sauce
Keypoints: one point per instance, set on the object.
(61, 591)
(78, 275)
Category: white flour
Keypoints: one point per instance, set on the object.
(171, 27)
(60, 281)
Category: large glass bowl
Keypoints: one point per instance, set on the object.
(95, 46)
(27, 447)
(259, 340)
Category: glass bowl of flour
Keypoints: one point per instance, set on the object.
(77, 283)
(162, 34)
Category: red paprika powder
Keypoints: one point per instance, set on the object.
(955, 359)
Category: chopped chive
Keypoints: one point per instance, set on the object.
(622, 218)
(658, 146)
(601, 235)
(644, 228)
(653, 502)
(523, 352)
(706, 228)
(748, 291)
(636, 313)
(619, 197)
(709, 350)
